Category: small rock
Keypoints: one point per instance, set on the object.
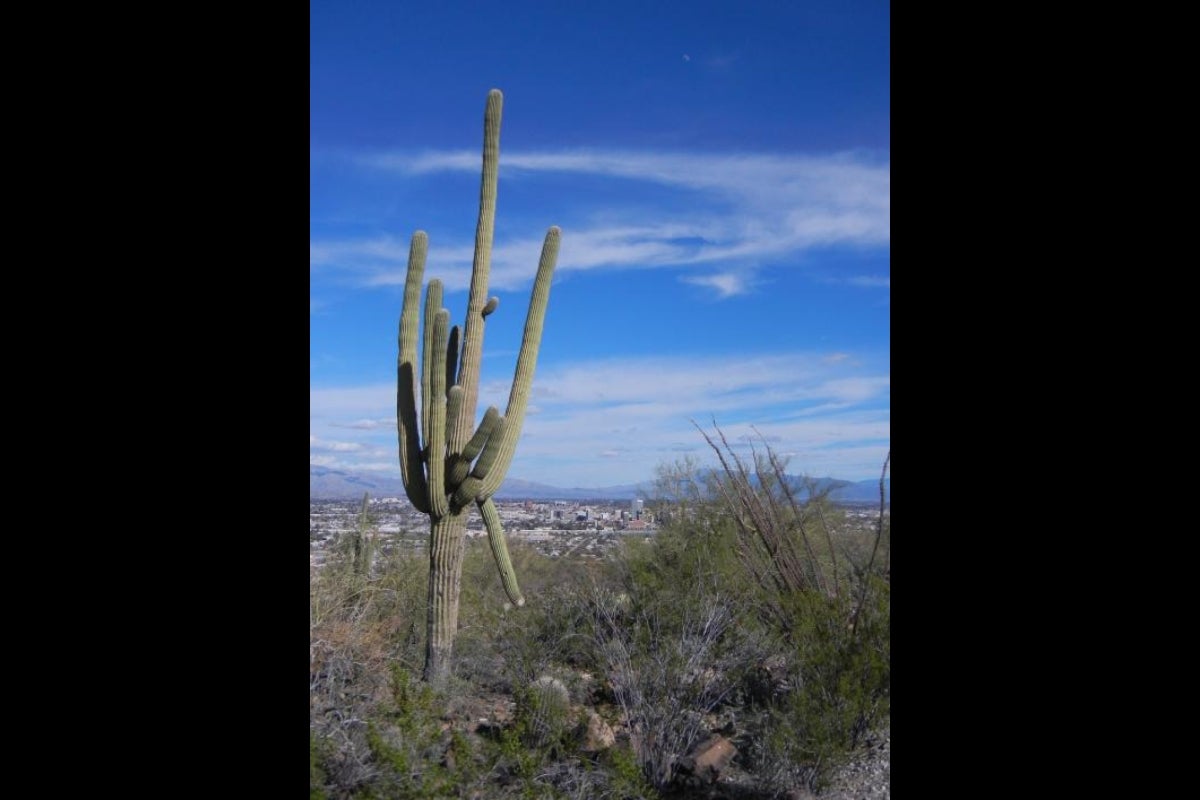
(598, 735)
(710, 758)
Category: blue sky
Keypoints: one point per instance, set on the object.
(721, 175)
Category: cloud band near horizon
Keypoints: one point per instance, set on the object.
(615, 421)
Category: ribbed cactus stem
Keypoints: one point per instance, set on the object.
(491, 519)
(472, 352)
(447, 539)
(518, 397)
(452, 351)
(433, 304)
(411, 471)
(438, 505)
(453, 404)
(362, 555)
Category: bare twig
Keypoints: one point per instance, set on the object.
(878, 535)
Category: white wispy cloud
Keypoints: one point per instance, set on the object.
(316, 444)
(352, 402)
(367, 424)
(727, 284)
(614, 421)
(728, 210)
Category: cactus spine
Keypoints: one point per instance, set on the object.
(457, 464)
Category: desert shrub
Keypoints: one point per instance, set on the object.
(670, 664)
(810, 669)
(503, 648)
(412, 753)
(361, 628)
(839, 690)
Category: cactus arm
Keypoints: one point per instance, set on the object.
(436, 404)
(433, 304)
(472, 351)
(461, 462)
(491, 418)
(471, 486)
(452, 351)
(453, 404)
(491, 518)
(518, 397)
(411, 471)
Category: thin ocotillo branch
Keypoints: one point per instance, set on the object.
(878, 535)
(777, 519)
(817, 574)
(781, 571)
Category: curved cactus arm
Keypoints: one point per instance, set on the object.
(491, 518)
(433, 304)
(469, 489)
(518, 397)
(411, 471)
(437, 417)
(472, 351)
(461, 463)
(491, 419)
(466, 492)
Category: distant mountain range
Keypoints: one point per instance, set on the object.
(333, 484)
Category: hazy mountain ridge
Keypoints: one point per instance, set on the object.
(332, 484)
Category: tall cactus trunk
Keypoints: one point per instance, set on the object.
(446, 545)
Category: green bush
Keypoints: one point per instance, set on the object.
(808, 662)
(839, 689)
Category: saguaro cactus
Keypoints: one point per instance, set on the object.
(457, 464)
(361, 549)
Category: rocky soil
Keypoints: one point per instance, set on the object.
(869, 775)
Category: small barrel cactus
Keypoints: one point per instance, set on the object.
(544, 710)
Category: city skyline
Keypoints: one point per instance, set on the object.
(722, 181)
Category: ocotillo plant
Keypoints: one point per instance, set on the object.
(457, 464)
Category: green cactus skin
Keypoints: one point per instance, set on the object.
(544, 707)
(518, 397)
(452, 351)
(491, 518)
(460, 465)
(361, 561)
(411, 473)
(472, 352)
(438, 504)
(433, 304)
(437, 472)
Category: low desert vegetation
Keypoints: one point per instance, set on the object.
(742, 651)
